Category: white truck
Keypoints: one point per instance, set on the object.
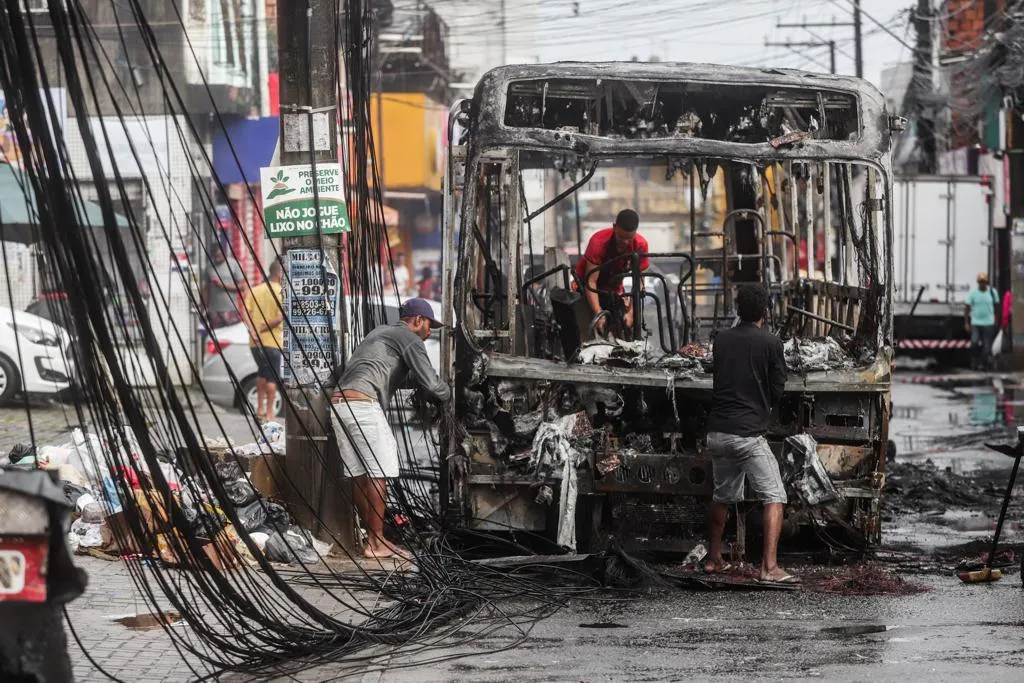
(942, 239)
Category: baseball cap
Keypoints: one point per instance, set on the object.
(414, 307)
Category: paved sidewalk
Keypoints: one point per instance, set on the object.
(150, 656)
(52, 422)
(128, 654)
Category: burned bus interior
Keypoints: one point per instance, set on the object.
(588, 440)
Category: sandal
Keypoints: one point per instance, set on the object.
(787, 580)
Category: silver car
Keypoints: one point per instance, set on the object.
(227, 353)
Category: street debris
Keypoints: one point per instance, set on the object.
(148, 622)
(864, 579)
(96, 490)
(555, 452)
(805, 473)
(1006, 557)
(912, 487)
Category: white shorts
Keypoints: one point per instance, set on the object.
(365, 439)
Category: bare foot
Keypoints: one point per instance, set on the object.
(385, 551)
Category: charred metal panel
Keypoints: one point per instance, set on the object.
(847, 417)
(648, 522)
(505, 507)
(659, 473)
(847, 462)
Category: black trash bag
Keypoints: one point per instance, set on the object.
(23, 451)
(277, 516)
(72, 492)
(239, 489)
(253, 515)
(229, 470)
(202, 524)
(291, 545)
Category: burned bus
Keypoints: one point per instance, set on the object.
(738, 175)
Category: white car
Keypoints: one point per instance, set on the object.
(228, 354)
(35, 356)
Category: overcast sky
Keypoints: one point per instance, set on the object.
(718, 31)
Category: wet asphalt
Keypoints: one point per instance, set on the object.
(951, 631)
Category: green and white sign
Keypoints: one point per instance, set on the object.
(289, 209)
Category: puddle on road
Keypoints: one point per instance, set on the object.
(857, 630)
(146, 622)
(963, 520)
(949, 422)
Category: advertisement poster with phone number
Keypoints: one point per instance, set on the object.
(311, 304)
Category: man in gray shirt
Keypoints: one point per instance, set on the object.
(226, 282)
(381, 363)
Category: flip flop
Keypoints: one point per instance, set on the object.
(720, 570)
(787, 580)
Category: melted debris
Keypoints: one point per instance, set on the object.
(816, 355)
(802, 356)
(615, 353)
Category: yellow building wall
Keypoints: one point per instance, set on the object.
(411, 145)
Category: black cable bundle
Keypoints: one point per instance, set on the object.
(258, 619)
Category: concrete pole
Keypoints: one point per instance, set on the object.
(308, 64)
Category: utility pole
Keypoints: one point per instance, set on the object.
(858, 46)
(921, 87)
(793, 45)
(858, 54)
(308, 66)
(504, 34)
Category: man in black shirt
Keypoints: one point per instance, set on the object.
(750, 375)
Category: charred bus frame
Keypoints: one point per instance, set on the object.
(803, 157)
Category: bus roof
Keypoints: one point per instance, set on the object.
(571, 106)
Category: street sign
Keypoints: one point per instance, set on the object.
(289, 207)
(311, 304)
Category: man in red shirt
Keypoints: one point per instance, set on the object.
(604, 246)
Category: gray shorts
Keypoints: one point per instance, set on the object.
(365, 439)
(736, 459)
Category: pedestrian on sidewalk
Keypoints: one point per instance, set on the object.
(401, 275)
(427, 286)
(1007, 326)
(749, 378)
(265, 320)
(226, 282)
(980, 321)
(379, 365)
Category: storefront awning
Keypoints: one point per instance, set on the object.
(242, 147)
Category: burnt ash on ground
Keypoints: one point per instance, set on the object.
(912, 487)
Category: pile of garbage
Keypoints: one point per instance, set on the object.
(816, 355)
(97, 492)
